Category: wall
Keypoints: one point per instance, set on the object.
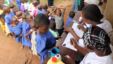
(109, 11)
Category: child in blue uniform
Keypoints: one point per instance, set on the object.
(25, 29)
(8, 18)
(16, 30)
(44, 39)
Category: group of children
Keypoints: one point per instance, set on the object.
(38, 29)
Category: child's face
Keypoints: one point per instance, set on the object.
(14, 23)
(58, 12)
(43, 29)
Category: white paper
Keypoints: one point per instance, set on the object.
(69, 36)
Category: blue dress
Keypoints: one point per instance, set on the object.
(17, 31)
(25, 29)
(44, 43)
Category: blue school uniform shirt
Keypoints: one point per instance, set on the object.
(17, 31)
(68, 22)
(12, 14)
(44, 42)
(25, 29)
(8, 19)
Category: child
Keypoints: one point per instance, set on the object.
(8, 18)
(16, 30)
(25, 29)
(12, 10)
(40, 9)
(19, 16)
(70, 18)
(35, 8)
(44, 38)
(59, 16)
(44, 10)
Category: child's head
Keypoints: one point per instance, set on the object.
(97, 40)
(40, 6)
(42, 22)
(58, 12)
(71, 14)
(6, 10)
(12, 6)
(45, 6)
(91, 13)
(19, 14)
(35, 3)
(29, 18)
(14, 21)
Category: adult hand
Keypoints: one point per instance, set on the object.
(74, 42)
(68, 29)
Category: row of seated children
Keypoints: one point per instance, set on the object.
(22, 27)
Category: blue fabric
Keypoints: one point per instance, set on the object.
(18, 2)
(44, 42)
(8, 19)
(12, 14)
(68, 22)
(17, 31)
(75, 6)
(25, 29)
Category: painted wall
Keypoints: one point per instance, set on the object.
(109, 11)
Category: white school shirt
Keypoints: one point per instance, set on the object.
(92, 58)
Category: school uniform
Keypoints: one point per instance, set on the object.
(44, 43)
(25, 29)
(17, 31)
(8, 19)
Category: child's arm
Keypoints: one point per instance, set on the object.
(82, 50)
(29, 33)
